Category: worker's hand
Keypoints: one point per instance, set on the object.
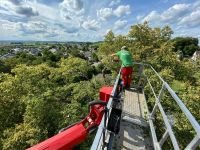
(112, 55)
(116, 59)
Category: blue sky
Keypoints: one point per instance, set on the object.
(90, 20)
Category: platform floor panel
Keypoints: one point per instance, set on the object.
(134, 130)
(134, 104)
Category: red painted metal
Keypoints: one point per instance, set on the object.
(76, 134)
(66, 140)
(105, 93)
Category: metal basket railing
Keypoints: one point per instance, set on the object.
(142, 80)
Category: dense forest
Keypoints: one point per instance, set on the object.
(40, 95)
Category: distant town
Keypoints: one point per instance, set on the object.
(86, 49)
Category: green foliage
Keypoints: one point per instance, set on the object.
(154, 46)
(187, 45)
(95, 57)
(45, 93)
(82, 94)
(99, 68)
(72, 113)
(109, 37)
(25, 58)
(76, 53)
(74, 70)
(146, 36)
(146, 44)
(3, 67)
(4, 50)
(36, 101)
(21, 137)
(11, 108)
(42, 112)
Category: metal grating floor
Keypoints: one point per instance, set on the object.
(134, 130)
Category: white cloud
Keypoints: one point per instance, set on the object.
(104, 13)
(18, 8)
(196, 4)
(175, 12)
(71, 9)
(7, 5)
(172, 15)
(122, 10)
(68, 28)
(114, 2)
(152, 16)
(120, 24)
(183, 18)
(9, 26)
(34, 27)
(31, 28)
(61, 21)
(91, 24)
(139, 17)
(191, 20)
(16, 2)
(27, 11)
(75, 5)
(8, 8)
(72, 13)
(46, 12)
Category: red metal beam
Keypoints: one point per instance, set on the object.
(76, 134)
(65, 140)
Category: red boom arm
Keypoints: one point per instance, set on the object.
(76, 134)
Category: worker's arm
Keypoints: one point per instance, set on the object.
(115, 57)
(114, 54)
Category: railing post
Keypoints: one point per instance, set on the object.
(164, 138)
(158, 100)
(139, 75)
(104, 128)
(154, 137)
(194, 143)
(169, 128)
(184, 109)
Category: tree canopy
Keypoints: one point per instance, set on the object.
(36, 101)
(41, 94)
(188, 45)
(154, 46)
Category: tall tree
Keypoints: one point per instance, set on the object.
(187, 45)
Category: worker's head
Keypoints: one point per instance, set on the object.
(124, 48)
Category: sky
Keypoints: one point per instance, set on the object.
(90, 20)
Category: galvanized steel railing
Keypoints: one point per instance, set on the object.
(97, 144)
(169, 132)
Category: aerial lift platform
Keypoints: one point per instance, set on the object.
(123, 119)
